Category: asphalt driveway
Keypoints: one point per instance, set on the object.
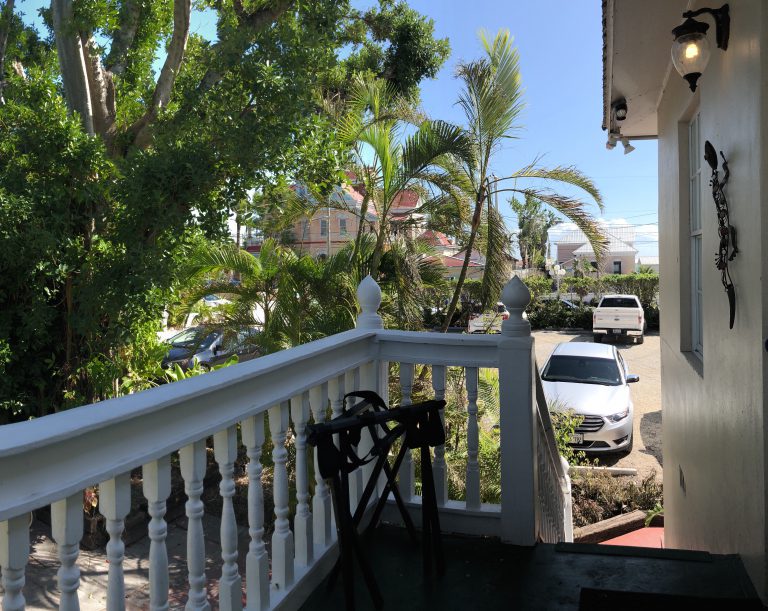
(645, 361)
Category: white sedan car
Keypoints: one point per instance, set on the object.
(592, 380)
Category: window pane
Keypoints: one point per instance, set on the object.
(694, 156)
(696, 296)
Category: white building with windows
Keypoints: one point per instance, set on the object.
(619, 257)
(714, 378)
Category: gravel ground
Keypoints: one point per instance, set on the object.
(645, 361)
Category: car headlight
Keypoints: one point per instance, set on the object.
(619, 416)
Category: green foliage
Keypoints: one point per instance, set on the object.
(565, 422)
(396, 44)
(645, 286)
(538, 286)
(554, 314)
(533, 223)
(657, 510)
(581, 285)
(94, 229)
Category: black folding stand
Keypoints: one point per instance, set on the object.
(419, 426)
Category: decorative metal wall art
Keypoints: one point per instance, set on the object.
(727, 249)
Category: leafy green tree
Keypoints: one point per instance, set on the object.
(391, 42)
(108, 171)
(533, 223)
(492, 100)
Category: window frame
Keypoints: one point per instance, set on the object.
(695, 236)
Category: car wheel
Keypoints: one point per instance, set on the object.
(628, 449)
(640, 339)
(597, 338)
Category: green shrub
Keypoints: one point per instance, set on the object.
(538, 286)
(652, 317)
(554, 314)
(645, 286)
(598, 495)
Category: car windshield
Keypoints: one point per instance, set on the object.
(192, 338)
(618, 302)
(582, 370)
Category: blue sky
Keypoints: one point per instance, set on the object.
(560, 44)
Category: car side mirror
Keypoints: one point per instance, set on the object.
(632, 378)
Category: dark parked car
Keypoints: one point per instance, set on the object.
(210, 347)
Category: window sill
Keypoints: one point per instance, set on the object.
(695, 361)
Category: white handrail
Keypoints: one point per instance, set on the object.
(48, 459)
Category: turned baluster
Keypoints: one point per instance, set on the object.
(473, 441)
(351, 383)
(114, 505)
(407, 475)
(438, 468)
(225, 451)
(67, 530)
(321, 502)
(193, 462)
(302, 522)
(157, 487)
(282, 538)
(257, 561)
(14, 552)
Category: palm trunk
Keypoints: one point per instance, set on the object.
(378, 251)
(467, 257)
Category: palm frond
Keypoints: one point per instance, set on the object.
(496, 243)
(213, 259)
(565, 174)
(573, 210)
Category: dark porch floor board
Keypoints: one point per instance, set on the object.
(484, 574)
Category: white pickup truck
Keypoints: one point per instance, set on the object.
(618, 316)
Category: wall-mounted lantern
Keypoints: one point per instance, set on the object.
(690, 50)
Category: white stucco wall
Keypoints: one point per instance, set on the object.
(713, 429)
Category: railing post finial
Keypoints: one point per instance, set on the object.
(516, 297)
(369, 298)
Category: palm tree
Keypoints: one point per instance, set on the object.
(492, 100)
(388, 161)
(293, 298)
(533, 224)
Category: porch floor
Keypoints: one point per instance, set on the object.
(482, 573)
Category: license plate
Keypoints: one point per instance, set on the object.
(616, 331)
(577, 438)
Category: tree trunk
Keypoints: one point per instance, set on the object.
(378, 251)
(72, 60)
(6, 14)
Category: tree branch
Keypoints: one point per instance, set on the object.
(6, 15)
(232, 49)
(102, 91)
(117, 59)
(164, 87)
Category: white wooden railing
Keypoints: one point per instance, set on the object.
(53, 459)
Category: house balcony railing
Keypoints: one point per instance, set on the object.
(51, 460)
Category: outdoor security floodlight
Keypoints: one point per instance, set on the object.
(628, 148)
(611, 144)
(619, 108)
(690, 50)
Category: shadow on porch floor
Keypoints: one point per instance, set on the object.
(484, 574)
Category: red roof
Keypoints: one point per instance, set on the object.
(405, 200)
(436, 238)
(458, 262)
